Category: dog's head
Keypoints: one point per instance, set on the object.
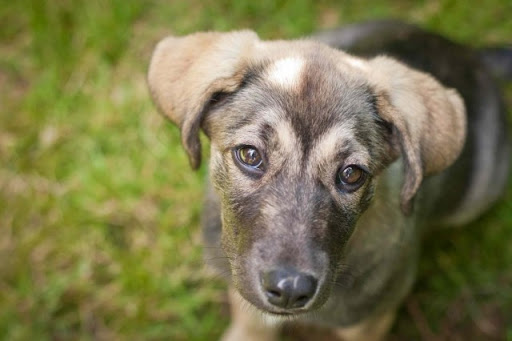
(299, 135)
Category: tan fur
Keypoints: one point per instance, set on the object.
(372, 329)
(329, 143)
(185, 72)
(430, 119)
(247, 324)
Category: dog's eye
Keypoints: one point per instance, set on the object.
(350, 178)
(250, 157)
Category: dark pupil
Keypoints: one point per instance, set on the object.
(250, 156)
(351, 175)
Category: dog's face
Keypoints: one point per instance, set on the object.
(294, 156)
(299, 134)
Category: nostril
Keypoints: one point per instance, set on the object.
(287, 288)
(275, 286)
(273, 293)
(300, 301)
(304, 290)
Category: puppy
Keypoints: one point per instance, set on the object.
(326, 168)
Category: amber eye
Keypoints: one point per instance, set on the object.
(350, 178)
(249, 157)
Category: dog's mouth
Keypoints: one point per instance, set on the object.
(278, 316)
(288, 315)
(272, 311)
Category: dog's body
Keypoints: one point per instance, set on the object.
(326, 169)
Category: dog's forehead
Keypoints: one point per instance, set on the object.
(313, 79)
(315, 94)
(301, 104)
(288, 62)
(305, 107)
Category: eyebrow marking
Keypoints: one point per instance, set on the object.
(287, 137)
(328, 146)
(327, 143)
(286, 72)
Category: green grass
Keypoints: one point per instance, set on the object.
(99, 211)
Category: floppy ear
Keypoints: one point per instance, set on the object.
(429, 121)
(186, 72)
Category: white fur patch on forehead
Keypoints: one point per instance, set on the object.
(286, 72)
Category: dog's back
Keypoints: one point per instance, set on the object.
(478, 178)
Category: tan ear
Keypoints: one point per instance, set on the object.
(185, 72)
(430, 121)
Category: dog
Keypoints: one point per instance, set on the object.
(331, 157)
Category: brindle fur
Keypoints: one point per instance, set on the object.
(333, 110)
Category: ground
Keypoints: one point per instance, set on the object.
(99, 211)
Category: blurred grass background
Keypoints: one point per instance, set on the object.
(99, 212)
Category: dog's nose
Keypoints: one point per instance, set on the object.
(288, 288)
